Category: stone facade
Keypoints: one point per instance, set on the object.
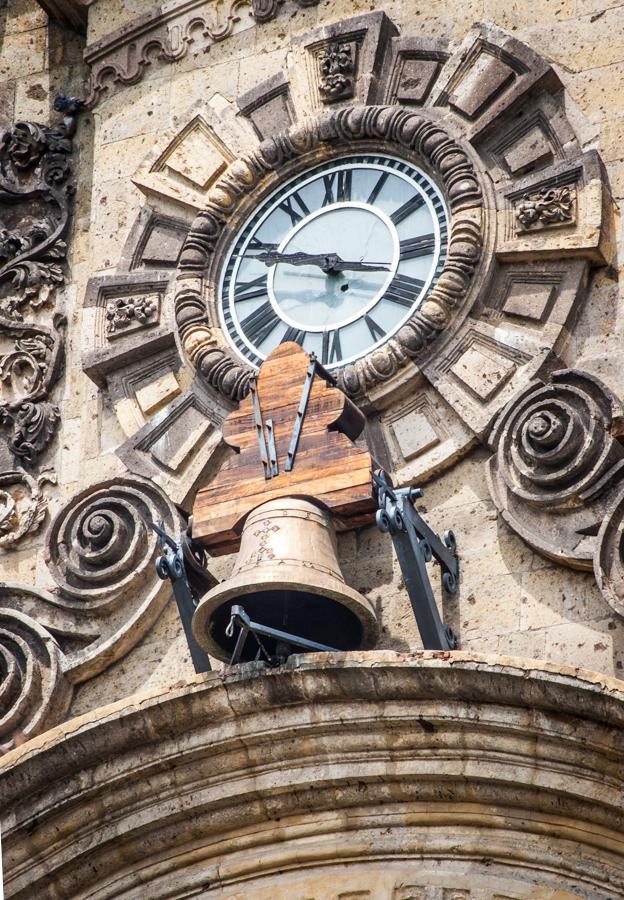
(501, 397)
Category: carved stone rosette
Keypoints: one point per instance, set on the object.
(259, 171)
(557, 460)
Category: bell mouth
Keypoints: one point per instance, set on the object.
(328, 613)
(300, 613)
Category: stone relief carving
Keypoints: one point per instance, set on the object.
(35, 194)
(404, 129)
(167, 36)
(554, 206)
(23, 505)
(558, 458)
(131, 313)
(28, 372)
(101, 553)
(336, 62)
(35, 198)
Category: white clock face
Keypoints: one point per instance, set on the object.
(337, 260)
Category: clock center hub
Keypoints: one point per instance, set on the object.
(346, 256)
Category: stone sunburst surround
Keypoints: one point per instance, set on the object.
(392, 128)
(498, 775)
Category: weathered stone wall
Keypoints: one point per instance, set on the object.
(512, 600)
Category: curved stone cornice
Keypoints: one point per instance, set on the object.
(506, 768)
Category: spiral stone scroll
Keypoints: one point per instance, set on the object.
(101, 554)
(259, 171)
(34, 692)
(557, 475)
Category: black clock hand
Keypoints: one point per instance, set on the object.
(330, 263)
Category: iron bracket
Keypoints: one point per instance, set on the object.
(171, 565)
(240, 619)
(416, 544)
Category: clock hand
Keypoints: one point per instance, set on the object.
(330, 263)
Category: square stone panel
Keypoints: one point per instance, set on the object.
(196, 158)
(530, 299)
(529, 151)
(483, 371)
(414, 434)
(414, 79)
(484, 80)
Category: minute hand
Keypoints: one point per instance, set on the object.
(330, 263)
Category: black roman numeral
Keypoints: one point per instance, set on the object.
(412, 248)
(378, 186)
(404, 290)
(260, 323)
(289, 206)
(376, 330)
(332, 351)
(407, 209)
(294, 334)
(338, 187)
(247, 290)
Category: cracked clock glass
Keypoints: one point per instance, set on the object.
(337, 259)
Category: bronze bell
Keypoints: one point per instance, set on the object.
(287, 576)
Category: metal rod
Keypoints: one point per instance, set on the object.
(257, 412)
(238, 617)
(303, 403)
(272, 448)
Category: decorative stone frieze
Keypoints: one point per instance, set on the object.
(246, 786)
(167, 36)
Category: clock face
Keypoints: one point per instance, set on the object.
(337, 260)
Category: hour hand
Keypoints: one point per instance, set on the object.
(330, 263)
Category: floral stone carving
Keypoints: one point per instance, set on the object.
(22, 504)
(35, 196)
(544, 208)
(336, 62)
(126, 314)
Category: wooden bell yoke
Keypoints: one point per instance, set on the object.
(293, 437)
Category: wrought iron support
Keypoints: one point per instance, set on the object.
(171, 565)
(284, 640)
(416, 544)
